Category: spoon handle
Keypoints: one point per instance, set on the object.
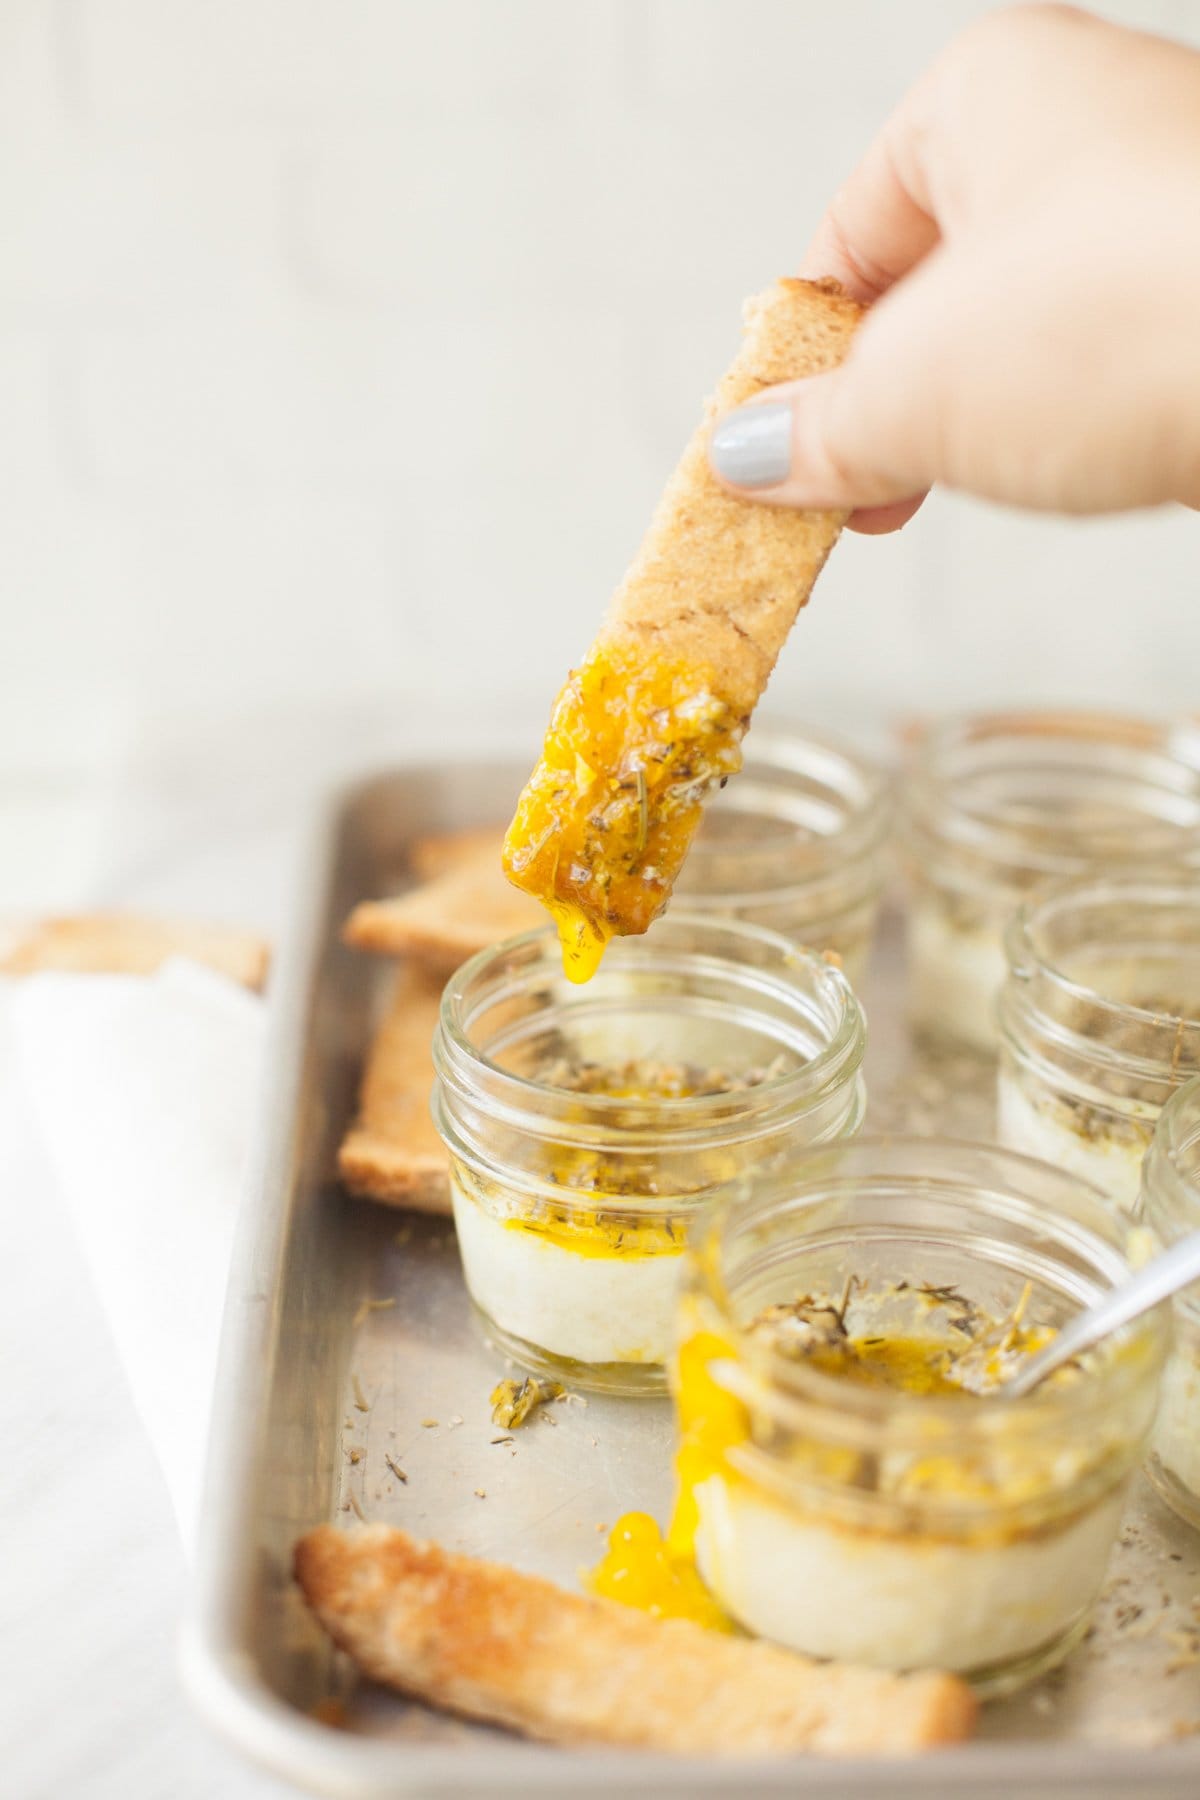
(1161, 1278)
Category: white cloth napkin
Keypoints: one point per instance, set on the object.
(142, 1091)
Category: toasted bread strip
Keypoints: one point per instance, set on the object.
(392, 1151)
(123, 944)
(444, 921)
(653, 717)
(718, 581)
(443, 851)
(485, 1640)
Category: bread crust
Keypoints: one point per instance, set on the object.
(487, 1641)
(126, 944)
(392, 1151)
(718, 581)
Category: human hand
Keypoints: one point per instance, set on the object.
(1028, 222)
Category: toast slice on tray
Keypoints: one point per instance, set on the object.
(392, 1151)
(127, 944)
(484, 1640)
(443, 851)
(467, 908)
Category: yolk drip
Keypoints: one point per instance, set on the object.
(711, 1421)
(583, 940)
(639, 1570)
(606, 818)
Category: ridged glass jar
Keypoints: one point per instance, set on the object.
(586, 1124)
(799, 843)
(1099, 1023)
(1170, 1204)
(999, 805)
(901, 1526)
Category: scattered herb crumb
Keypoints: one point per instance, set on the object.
(355, 1507)
(360, 1399)
(429, 1424)
(354, 1453)
(481, 1493)
(513, 1401)
(394, 1466)
(502, 1440)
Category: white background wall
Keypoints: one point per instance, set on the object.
(345, 344)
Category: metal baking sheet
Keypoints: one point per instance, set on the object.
(320, 1400)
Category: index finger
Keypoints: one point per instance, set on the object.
(880, 223)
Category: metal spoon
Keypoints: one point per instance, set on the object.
(1159, 1279)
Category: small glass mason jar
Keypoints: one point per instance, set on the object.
(585, 1124)
(903, 1522)
(797, 843)
(1099, 1023)
(999, 805)
(1169, 1203)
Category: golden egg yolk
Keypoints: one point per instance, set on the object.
(600, 1233)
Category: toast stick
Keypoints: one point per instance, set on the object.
(655, 715)
(392, 1151)
(481, 1639)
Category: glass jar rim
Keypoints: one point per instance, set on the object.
(1029, 961)
(1178, 1128)
(1172, 1165)
(518, 1099)
(861, 787)
(935, 808)
(789, 1388)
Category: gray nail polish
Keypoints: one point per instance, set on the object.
(752, 447)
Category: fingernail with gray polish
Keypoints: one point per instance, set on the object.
(752, 447)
